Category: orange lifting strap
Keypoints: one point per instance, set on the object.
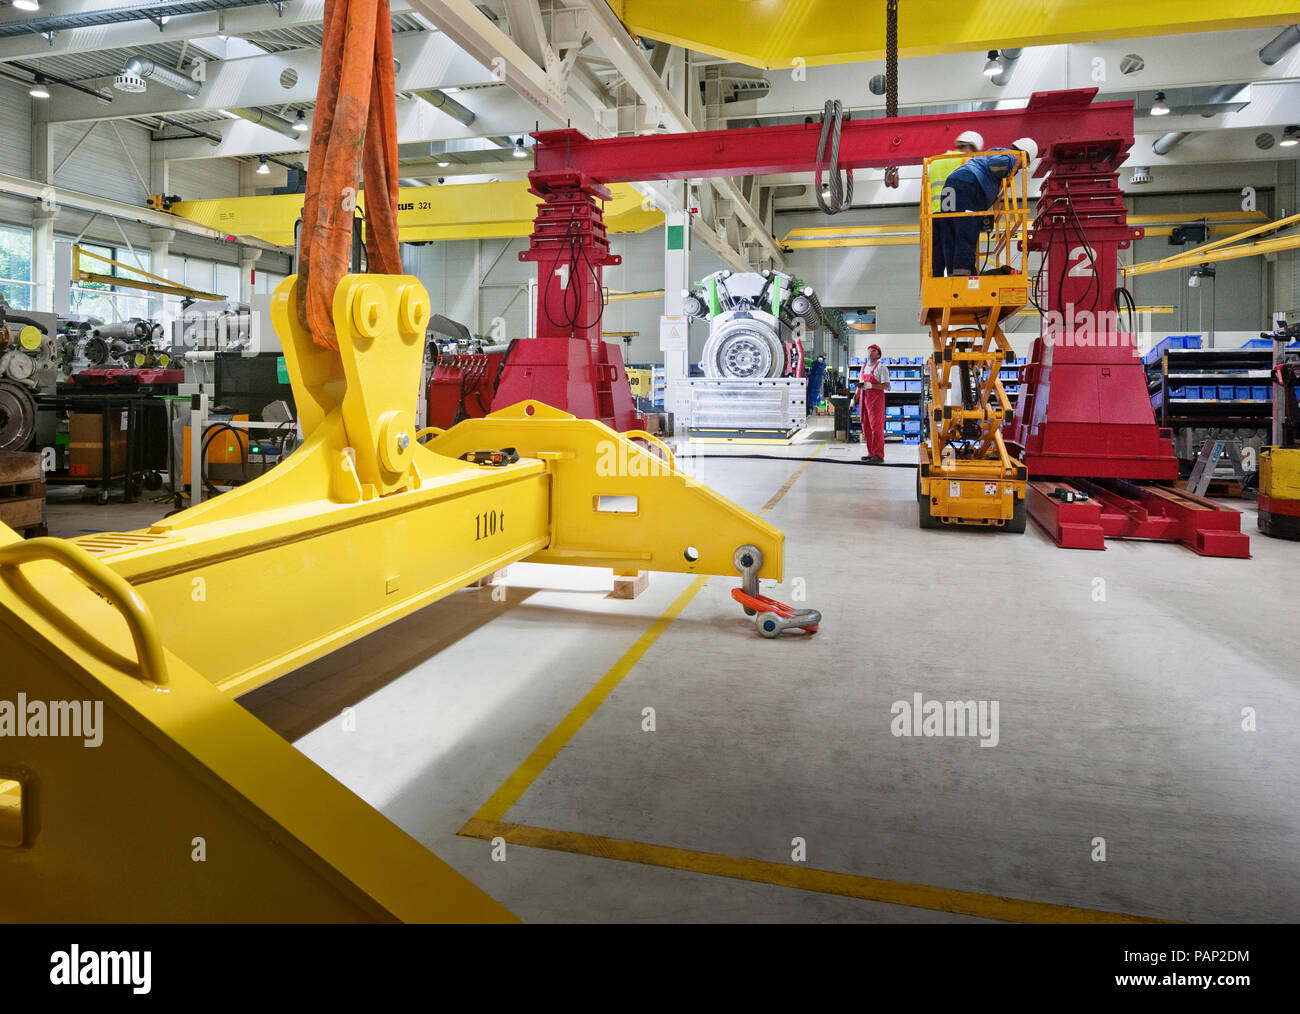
(354, 133)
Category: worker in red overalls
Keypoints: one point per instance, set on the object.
(873, 382)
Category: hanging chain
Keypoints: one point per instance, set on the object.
(891, 76)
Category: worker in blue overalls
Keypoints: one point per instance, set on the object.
(973, 186)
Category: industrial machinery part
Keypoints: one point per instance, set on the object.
(771, 618)
(135, 329)
(1279, 466)
(1084, 419)
(757, 323)
(28, 362)
(966, 475)
(1279, 492)
(361, 526)
(219, 326)
(17, 416)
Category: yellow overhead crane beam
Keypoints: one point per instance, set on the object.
(461, 211)
(360, 526)
(776, 34)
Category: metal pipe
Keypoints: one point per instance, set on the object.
(439, 99)
(1224, 93)
(1281, 44)
(269, 120)
(138, 66)
(1009, 58)
(1167, 142)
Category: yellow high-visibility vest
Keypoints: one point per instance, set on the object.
(939, 171)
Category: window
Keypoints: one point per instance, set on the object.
(16, 267)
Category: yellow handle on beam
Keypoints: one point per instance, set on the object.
(111, 585)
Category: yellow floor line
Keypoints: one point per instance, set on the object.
(847, 885)
(517, 784)
(776, 497)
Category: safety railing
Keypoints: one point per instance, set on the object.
(1003, 246)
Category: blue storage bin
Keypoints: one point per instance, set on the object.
(1227, 393)
(893, 426)
(911, 411)
(894, 412)
(1243, 393)
(1262, 393)
(911, 440)
(1257, 343)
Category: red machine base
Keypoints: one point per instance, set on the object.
(129, 377)
(1116, 509)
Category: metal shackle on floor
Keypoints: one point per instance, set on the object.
(772, 618)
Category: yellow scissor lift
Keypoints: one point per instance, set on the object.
(188, 807)
(965, 474)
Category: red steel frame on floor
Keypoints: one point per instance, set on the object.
(1084, 422)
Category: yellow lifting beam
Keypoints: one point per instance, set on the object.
(965, 474)
(360, 526)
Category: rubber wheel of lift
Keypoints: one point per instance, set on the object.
(1017, 523)
(927, 519)
(101, 497)
(152, 481)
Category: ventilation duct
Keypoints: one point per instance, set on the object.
(1281, 44)
(439, 99)
(137, 71)
(269, 120)
(1167, 142)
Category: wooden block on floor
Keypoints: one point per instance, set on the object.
(629, 586)
(490, 579)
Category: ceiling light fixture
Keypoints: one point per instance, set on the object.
(994, 65)
(300, 124)
(27, 5)
(1290, 137)
(38, 89)
(520, 151)
(262, 168)
(1160, 107)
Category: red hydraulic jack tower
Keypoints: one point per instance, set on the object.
(1100, 465)
(568, 365)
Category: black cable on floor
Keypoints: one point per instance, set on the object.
(783, 457)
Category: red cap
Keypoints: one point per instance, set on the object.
(873, 346)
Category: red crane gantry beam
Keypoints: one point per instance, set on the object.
(864, 144)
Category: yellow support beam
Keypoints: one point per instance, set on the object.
(155, 283)
(775, 35)
(1222, 223)
(503, 210)
(1219, 250)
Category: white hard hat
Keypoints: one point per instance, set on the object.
(972, 138)
(1028, 145)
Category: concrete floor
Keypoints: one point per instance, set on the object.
(1119, 719)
